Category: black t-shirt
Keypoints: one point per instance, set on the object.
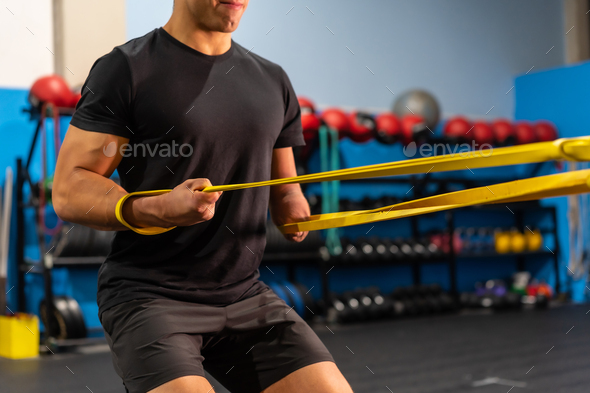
(190, 115)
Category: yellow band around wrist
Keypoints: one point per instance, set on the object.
(141, 231)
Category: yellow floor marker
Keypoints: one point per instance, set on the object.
(19, 336)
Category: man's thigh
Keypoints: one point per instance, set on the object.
(247, 346)
(157, 341)
(264, 341)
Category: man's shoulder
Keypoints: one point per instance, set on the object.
(136, 46)
(267, 65)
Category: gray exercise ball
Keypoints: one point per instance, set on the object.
(418, 102)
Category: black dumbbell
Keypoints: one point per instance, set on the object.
(350, 252)
(393, 249)
(413, 291)
(398, 308)
(345, 205)
(422, 305)
(337, 310)
(352, 306)
(432, 248)
(537, 302)
(403, 301)
(381, 250)
(435, 289)
(413, 301)
(366, 249)
(425, 300)
(315, 204)
(388, 200)
(469, 300)
(542, 302)
(434, 304)
(406, 249)
(383, 305)
(513, 300)
(368, 309)
(367, 203)
(490, 301)
(399, 293)
(420, 249)
(447, 302)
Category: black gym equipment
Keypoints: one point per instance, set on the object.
(82, 242)
(64, 319)
(297, 296)
(422, 300)
(277, 244)
(78, 247)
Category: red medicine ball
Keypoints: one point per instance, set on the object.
(525, 133)
(413, 126)
(51, 89)
(306, 105)
(458, 129)
(311, 125)
(74, 100)
(362, 126)
(482, 133)
(503, 132)
(389, 128)
(545, 131)
(337, 120)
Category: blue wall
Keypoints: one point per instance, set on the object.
(561, 95)
(465, 51)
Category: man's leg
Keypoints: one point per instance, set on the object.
(156, 344)
(189, 384)
(323, 377)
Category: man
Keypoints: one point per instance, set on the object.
(184, 107)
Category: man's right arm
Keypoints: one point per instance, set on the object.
(84, 194)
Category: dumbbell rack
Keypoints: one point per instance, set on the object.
(325, 263)
(47, 262)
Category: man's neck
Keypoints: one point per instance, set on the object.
(212, 43)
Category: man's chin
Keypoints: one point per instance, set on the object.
(228, 28)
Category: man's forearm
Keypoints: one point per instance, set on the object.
(277, 193)
(90, 199)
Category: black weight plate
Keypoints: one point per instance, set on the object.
(66, 320)
(310, 305)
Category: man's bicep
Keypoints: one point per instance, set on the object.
(92, 151)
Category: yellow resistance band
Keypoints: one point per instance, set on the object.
(141, 231)
(576, 182)
(572, 149)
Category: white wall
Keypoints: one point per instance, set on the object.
(467, 52)
(86, 30)
(25, 55)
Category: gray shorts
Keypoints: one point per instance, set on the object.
(247, 346)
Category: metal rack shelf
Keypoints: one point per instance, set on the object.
(451, 258)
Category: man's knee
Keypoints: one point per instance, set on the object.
(188, 384)
(323, 377)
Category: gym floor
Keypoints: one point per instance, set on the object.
(540, 351)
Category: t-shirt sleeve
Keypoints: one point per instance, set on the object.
(105, 105)
(292, 132)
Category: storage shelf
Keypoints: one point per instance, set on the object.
(63, 261)
(509, 255)
(78, 261)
